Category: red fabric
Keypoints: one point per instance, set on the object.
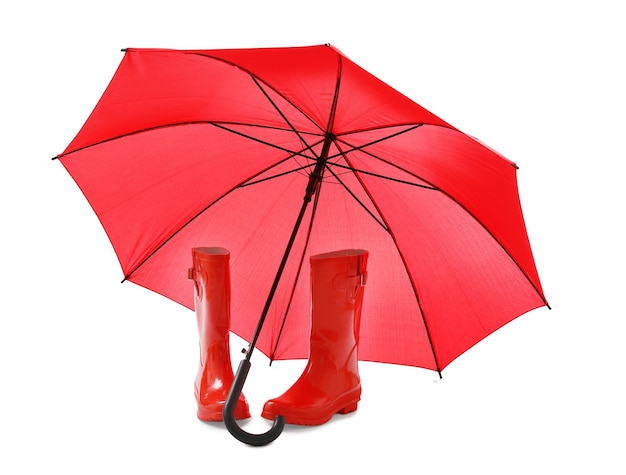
(165, 154)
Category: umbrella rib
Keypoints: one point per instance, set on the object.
(254, 76)
(356, 198)
(249, 183)
(275, 106)
(410, 128)
(429, 185)
(433, 187)
(361, 148)
(269, 144)
(384, 177)
(393, 238)
(198, 122)
(199, 213)
(293, 154)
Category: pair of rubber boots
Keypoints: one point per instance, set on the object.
(330, 382)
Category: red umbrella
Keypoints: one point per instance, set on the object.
(231, 147)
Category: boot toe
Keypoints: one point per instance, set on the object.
(211, 410)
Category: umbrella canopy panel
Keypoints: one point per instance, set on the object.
(215, 147)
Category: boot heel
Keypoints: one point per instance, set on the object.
(349, 408)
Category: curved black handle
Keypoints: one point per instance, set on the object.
(229, 413)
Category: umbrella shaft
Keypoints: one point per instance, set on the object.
(315, 178)
(270, 297)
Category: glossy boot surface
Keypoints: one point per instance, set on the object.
(211, 276)
(330, 382)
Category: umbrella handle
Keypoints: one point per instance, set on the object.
(229, 413)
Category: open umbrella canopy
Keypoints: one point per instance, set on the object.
(218, 147)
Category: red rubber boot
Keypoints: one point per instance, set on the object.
(211, 275)
(330, 382)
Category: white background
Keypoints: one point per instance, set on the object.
(97, 377)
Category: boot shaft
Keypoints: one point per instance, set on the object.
(211, 276)
(337, 280)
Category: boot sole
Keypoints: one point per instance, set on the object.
(214, 413)
(345, 404)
